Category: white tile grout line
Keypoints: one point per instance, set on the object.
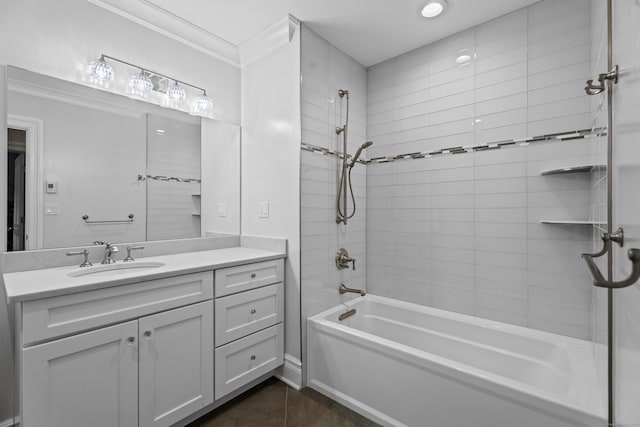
(561, 136)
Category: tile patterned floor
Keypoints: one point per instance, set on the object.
(275, 404)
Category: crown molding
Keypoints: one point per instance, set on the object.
(163, 21)
(268, 40)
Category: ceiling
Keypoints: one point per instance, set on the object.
(370, 31)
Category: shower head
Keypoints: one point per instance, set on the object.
(355, 156)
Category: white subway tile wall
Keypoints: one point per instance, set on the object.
(463, 232)
(325, 70)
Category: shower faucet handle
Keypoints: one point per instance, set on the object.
(343, 259)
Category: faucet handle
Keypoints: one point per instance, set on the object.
(343, 259)
(129, 249)
(85, 262)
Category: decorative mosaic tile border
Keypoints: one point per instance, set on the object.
(562, 136)
(172, 178)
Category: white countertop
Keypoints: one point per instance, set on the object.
(50, 282)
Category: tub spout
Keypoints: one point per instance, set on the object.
(343, 290)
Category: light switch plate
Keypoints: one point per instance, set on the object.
(52, 209)
(263, 209)
(222, 210)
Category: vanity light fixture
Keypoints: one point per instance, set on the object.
(176, 93)
(141, 84)
(99, 71)
(202, 105)
(144, 82)
(433, 8)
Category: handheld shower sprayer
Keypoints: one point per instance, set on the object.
(345, 176)
(355, 157)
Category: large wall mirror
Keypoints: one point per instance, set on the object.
(86, 164)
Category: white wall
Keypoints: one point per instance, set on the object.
(271, 157)
(60, 38)
(626, 204)
(7, 400)
(325, 70)
(220, 147)
(462, 232)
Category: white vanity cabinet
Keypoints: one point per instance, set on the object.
(175, 364)
(151, 371)
(249, 323)
(146, 352)
(90, 379)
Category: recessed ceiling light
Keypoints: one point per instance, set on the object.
(433, 8)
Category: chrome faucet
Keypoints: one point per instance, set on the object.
(343, 290)
(109, 251)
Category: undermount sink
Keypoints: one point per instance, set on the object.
(115, 269)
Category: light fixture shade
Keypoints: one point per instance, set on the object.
(141, 84)
(100, 71)
(176, 93)
(202, 105)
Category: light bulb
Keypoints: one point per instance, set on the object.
(433, 8)
(202, 105)
(141, 84)
(100, 71)
(176, 93)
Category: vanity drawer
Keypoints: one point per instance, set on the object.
(244, 277)
(56, 316)
(248, 312)
(246, 359)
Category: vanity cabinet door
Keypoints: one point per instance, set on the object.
(175, 364)
(90, 379)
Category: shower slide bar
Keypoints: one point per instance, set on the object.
(85, 217)
(633, 255)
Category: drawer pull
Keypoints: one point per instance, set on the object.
(131, 341)
(253, 275)
(147, 335)
(253, 311)
(253, 357)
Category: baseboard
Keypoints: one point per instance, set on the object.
(291, 372)
(7, 423)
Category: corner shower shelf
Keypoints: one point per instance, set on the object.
(571, 222)
(574, 169)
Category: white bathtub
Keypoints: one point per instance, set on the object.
(402, 364)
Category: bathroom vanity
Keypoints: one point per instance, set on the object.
(145, 343)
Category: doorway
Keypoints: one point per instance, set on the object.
(16, 193)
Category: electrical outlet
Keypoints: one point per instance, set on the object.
(263, 209)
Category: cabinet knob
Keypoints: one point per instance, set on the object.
(253, 275)
(147, 335)
(253, 357)
(131, 341)
(253, 311)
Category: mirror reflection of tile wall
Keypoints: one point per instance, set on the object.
(173, 179)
